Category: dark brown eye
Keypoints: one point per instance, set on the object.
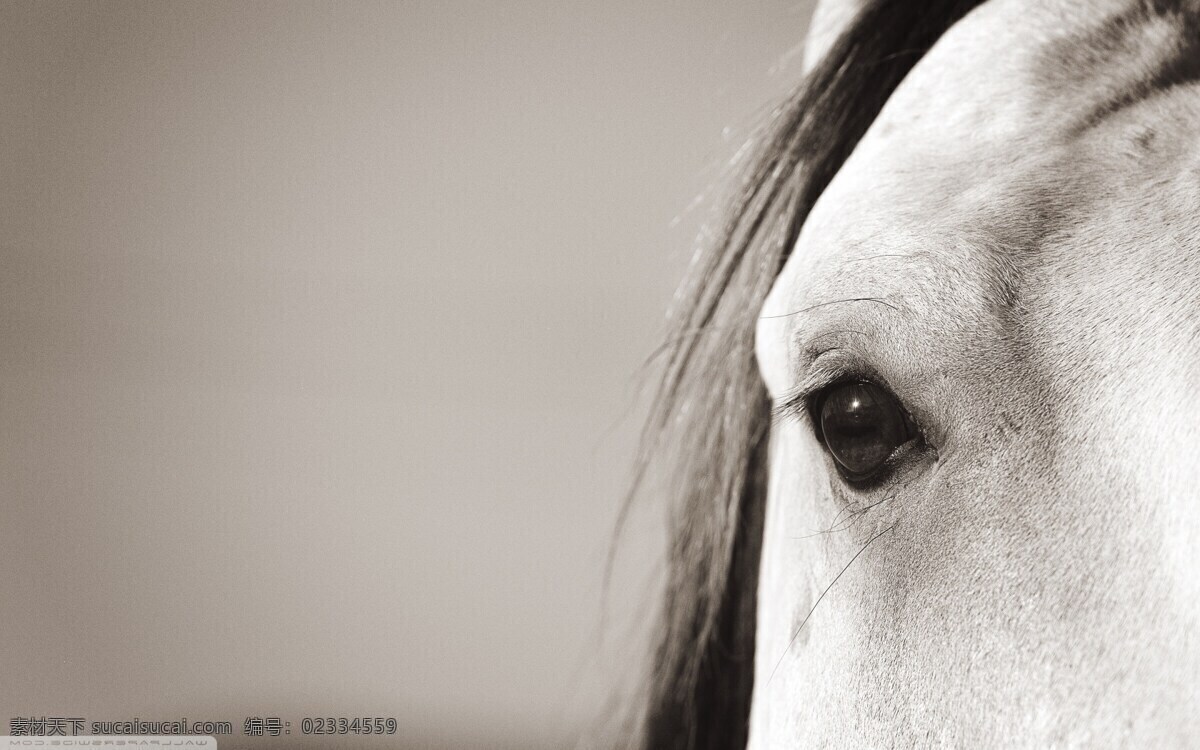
(862, 425)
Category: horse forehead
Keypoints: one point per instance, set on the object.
(1025, 136)
(1015, 77)
(1017, 121)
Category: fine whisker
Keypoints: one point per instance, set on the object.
(881, 255)
(822, 596)
(834, 302)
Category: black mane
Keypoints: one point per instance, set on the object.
(710, 420)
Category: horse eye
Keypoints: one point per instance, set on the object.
(862, 425)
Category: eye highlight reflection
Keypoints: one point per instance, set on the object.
(862, 425)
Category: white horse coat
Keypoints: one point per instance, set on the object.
(1012, 252)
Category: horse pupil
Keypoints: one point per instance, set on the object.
(862, 425)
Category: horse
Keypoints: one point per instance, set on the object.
(928, 415)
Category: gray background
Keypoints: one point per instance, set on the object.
(320, 334)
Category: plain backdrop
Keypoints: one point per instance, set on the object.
(321, 333)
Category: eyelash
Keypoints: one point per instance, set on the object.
(803, 402)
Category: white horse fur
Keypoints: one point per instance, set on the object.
(1013, 249)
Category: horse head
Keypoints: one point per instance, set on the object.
(963, 506)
